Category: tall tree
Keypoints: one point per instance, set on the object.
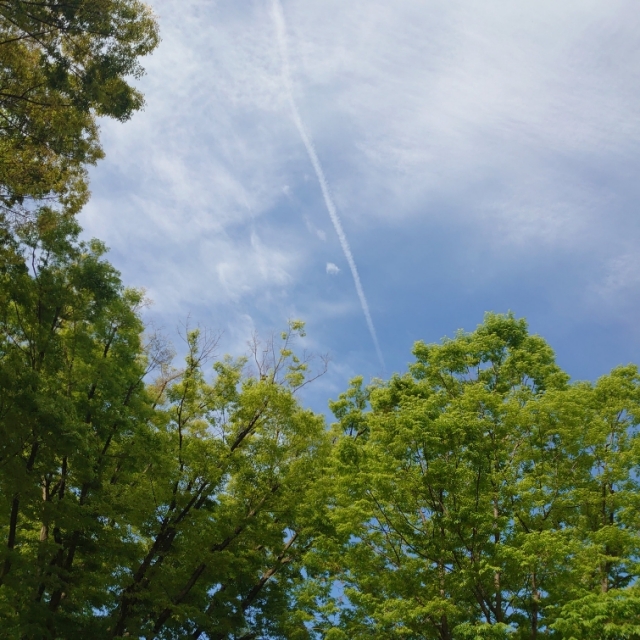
(178, 509)
(482, 495)
(237, 497)
(73, 414)
(63, 63)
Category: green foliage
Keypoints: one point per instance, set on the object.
(180, 507)
(73, 415)
(237, 502)
(612, 614)
(62, 64)
(483, 496)
(173, 509)
(479, 496)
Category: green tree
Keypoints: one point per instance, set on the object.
(73, 416)
(173, 509)
(238, 502)
(481, 495)
(63, 63)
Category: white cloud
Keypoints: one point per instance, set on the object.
(319, 233)
(511, 125)
(447, 100)
(332, 269)
(421, 99)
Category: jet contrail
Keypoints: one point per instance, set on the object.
(281, 32)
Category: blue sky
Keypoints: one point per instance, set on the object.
(481, 156)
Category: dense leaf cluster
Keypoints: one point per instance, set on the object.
(481, 495)
(177, 508)
(63, 63)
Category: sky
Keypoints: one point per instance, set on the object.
(459, 157)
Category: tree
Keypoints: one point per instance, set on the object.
(72, 406)
(181, 508)
(484, 496)
(237, 502)
(63, 63)
(73, 409)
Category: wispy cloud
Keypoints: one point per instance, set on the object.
(461, 138)
(315, 161)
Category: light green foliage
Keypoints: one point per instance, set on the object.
(237, 502)
(62, 64)
(613, 614)
(483, 496)
(479, 496)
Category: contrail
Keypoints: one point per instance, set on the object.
(281, 33)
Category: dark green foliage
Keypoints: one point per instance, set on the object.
(165, 510)
(72, 409)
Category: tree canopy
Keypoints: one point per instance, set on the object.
(482, 495)
(174, 508)
(63, 63)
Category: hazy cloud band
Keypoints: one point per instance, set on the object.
(278, 17)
